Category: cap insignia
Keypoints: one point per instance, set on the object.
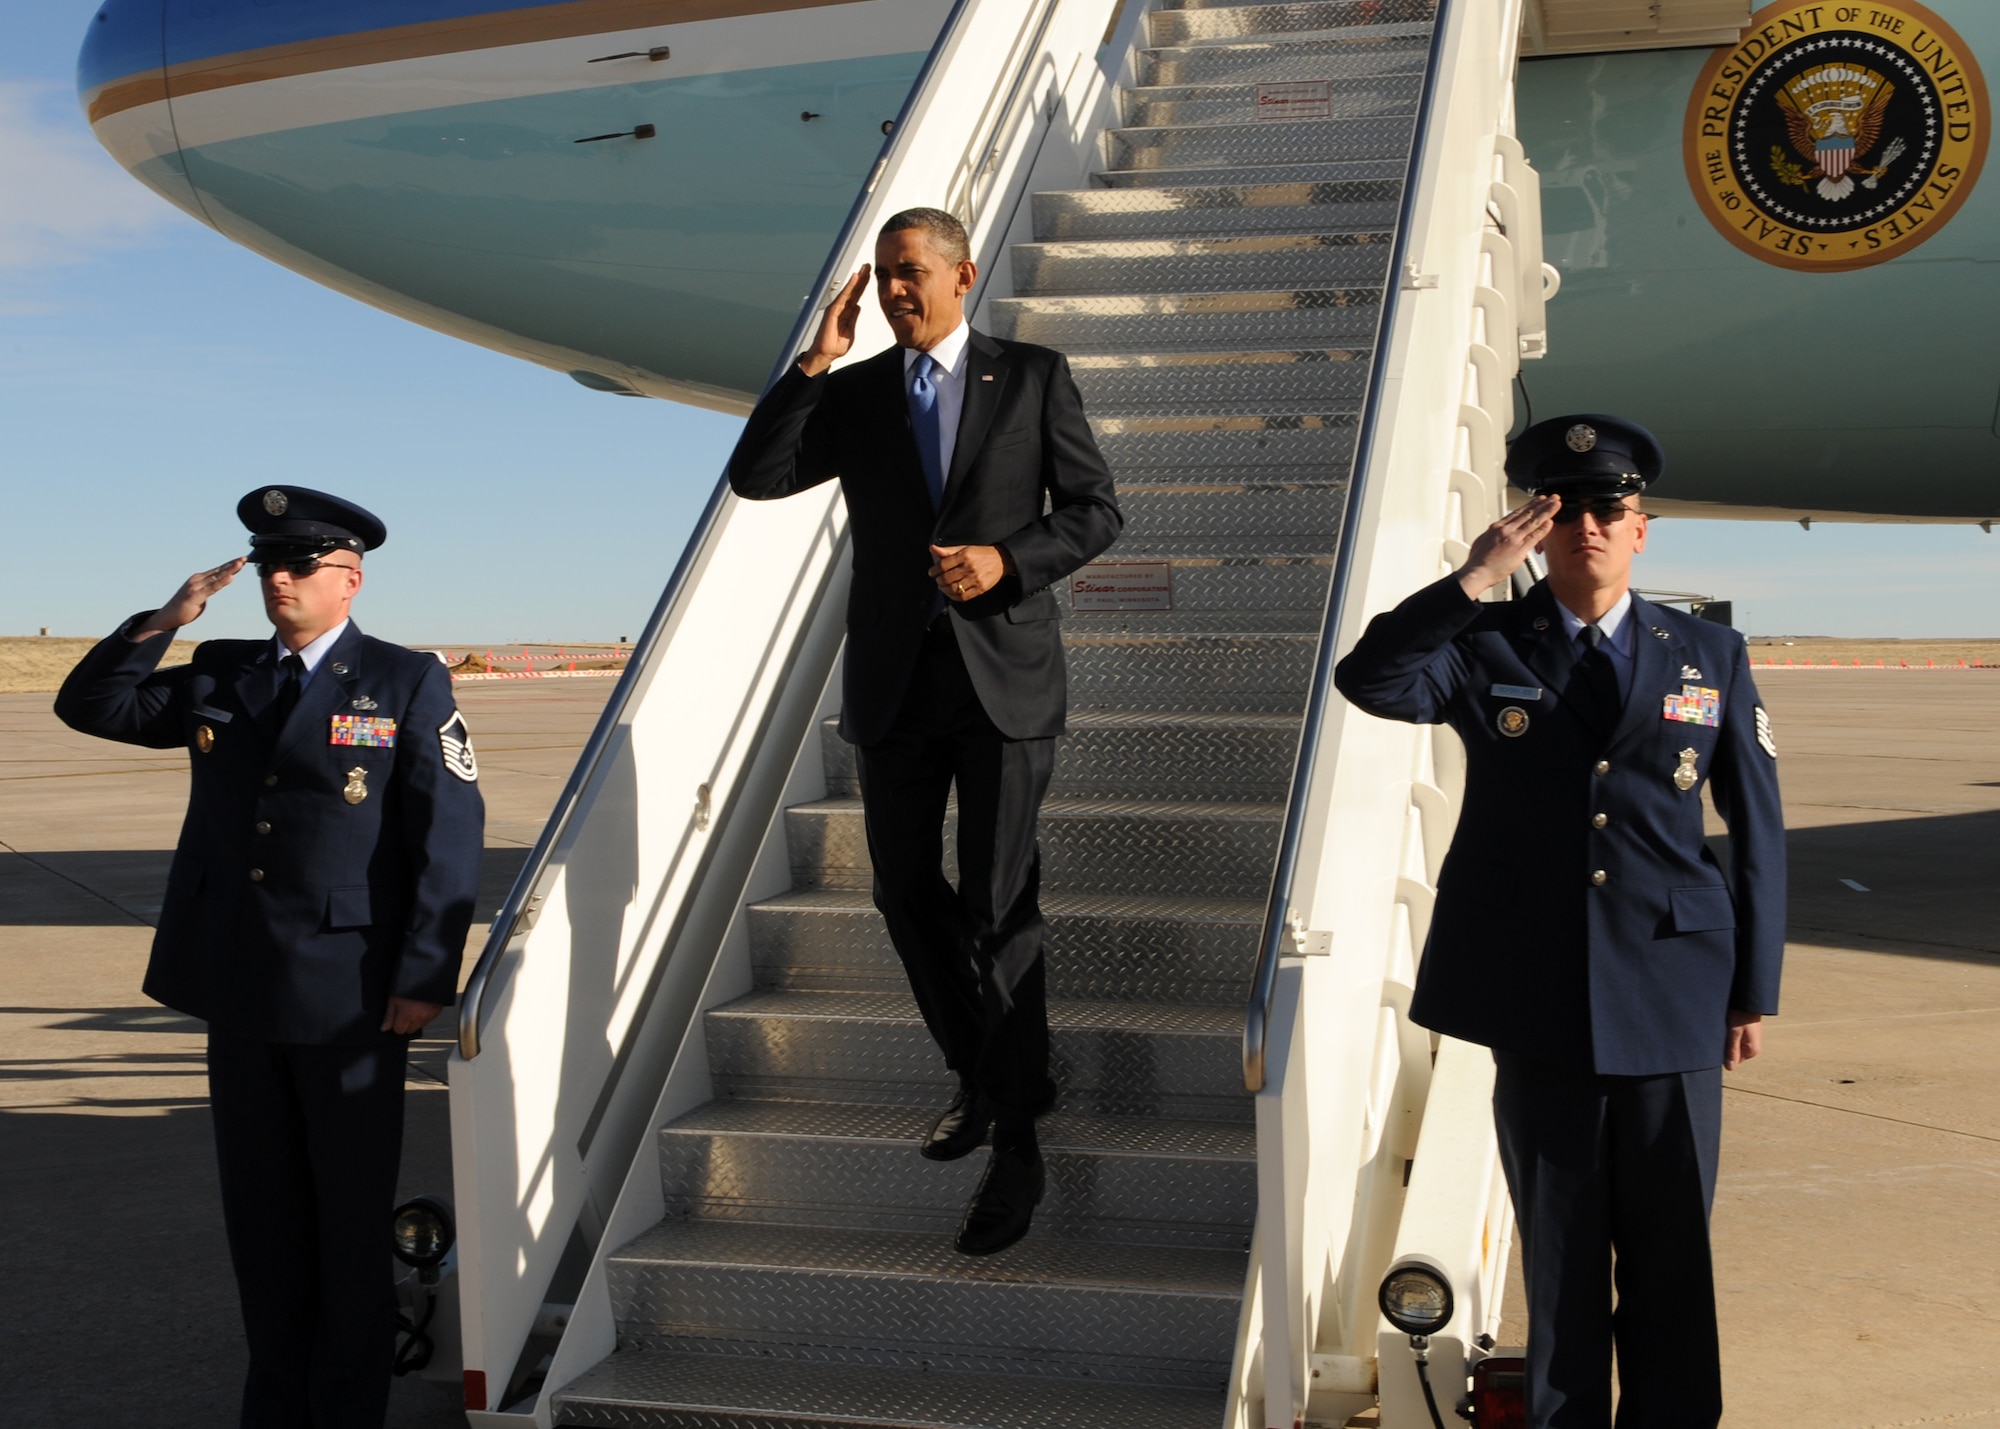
(275, 502)
(1581, 437)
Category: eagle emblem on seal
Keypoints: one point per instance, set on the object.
(1834, 115)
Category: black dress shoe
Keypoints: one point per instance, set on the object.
(960, 1129)
(1004, 1204)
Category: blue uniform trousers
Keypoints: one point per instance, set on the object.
(1601, 1166)
(308, 1139)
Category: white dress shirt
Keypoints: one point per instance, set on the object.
(948, 352)
(1618, 638)
(312, 654)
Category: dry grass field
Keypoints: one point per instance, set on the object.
(32, 664)
(1825, 649)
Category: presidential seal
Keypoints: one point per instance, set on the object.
(1836, 136)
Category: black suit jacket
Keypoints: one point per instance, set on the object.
(1634, 975)
(294, 910)
(1025, 474)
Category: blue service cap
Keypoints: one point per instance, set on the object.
(290, 522)
(1587, 454)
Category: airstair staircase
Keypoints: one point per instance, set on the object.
(775, 1253)
(1217, 291)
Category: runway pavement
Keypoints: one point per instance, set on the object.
(1858, 1245)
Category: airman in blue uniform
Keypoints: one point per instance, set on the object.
(1584, 930)
(315, 913)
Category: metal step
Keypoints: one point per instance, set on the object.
(658, 1389)
(1117, 1180)
(1254, 262)
(1358, 206)
(1357, 53)
(1100, 948)
(1228, 146)
(1194, 23)
(1188, 321)
(1119, 846)
(1053, 1309)
(1126, 384)
(1139, 755)
(1291, 171)
(1220, 593)
(1249, 445)
(1109, 1058)
(1362, 97)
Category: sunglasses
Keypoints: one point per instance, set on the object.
(1607, 511)
(299, 570)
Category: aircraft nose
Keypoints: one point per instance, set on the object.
(125, 42)
(122, 83)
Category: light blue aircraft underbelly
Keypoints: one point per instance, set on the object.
(422, 155)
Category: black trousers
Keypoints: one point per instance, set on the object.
(974, 953)
(1613, 1179)
(308, 1139)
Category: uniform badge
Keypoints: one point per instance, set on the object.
(363, 731)
(1685, 776)
(338, 668)
(1516, 692)
(357, 785)
(1688, 672)
(364, 703)
(1541, 622)
(455, 739)
(276, 502)
(204, 739)
(1764, 740)
(1512, 721)
(1581, 437)
(1695, 704)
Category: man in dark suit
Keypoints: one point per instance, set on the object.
(972, 484)
(1583, 928)
(315, 913)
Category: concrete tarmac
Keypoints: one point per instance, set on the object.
(1856, 1230)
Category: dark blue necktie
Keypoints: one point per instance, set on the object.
(925, 424)
(1600, 677)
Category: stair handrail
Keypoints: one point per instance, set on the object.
(516, 914)
(1271, 941)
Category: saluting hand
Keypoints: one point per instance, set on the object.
(1501, 547)
(190, 600)
(836, 325)
(964, 572)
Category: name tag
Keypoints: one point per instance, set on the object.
(366, 731)
(1695, 704)
(1516, 692)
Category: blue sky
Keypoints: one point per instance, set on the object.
(151, 372)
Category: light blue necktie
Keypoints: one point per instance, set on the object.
(924, 422)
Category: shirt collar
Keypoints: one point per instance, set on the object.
(1617, 633)
(315, 652)
(947, 352)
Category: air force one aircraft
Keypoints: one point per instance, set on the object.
(1774, 246)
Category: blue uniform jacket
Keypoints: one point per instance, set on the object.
(295, 909)
(1529, 951)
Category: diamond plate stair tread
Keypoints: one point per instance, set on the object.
(1108, 949)
(642, 1387)
(1197, 265)
(1259, 146)
(1381, 50)
(883, 1254)
(1059, 1132)
(1153, 1060)
(1310, 17)
(1146, 322)
(1081, 215)
(1364, 97)
(1277, 171)
(1155, 1019)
